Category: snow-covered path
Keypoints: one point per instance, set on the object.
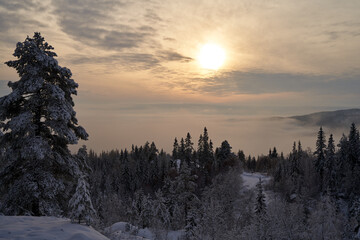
(45, 228)
(251, 179)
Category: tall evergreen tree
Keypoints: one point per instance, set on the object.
(81, 207)
(299, 150)
(259, 229)
(182, 149)
(260, 205)
(294, 151)
(354, 158)
(241, 156)
(125, 172)
(295, 170)
(175, 152)
(294, 164)
(206, 158)
(189, 150)
(160, 211)
(204, 149)
(190, 227)
(38, 122)
(222, 155)
(153, 151)
(342, 165)
(320, 155)
(274, 153)
(329, 166)
(354, 145)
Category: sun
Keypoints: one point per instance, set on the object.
(211, 56)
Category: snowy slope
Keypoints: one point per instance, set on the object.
(251, 179)
(45, 228)
(126, 231)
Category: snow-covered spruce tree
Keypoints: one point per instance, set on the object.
(160, 211)
(37, 124)
(190, 228)
(81, 208)
(80, 205)
(260, 205)
(260, 222)
(140, 210)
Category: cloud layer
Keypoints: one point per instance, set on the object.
(258, 82)
(136, 62)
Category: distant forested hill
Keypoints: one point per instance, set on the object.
(331, 119)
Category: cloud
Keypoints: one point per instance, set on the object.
(123, 38)
(349, 28)
(4, 89)
(201, 109)
(128, 61)
(3, 84)
(169, 55)
(11, 18)
(15, 5)
(334, 35)
(257, 82)
(152, 16)
(169, 39)
(4, 23)
(128, 28)
(131, 60)
(96, 23)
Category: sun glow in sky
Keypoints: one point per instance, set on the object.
(211, 56)
(155, 70)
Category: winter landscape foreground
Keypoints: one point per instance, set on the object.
(49, 228)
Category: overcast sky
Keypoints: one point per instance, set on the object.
(140, 80)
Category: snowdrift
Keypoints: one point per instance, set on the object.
(45, 228)
(124, 230)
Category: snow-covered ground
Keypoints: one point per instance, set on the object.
(251, 179)
(126, 231)
(45, 228)
(52, 228)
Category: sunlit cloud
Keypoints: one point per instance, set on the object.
(139, 59)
